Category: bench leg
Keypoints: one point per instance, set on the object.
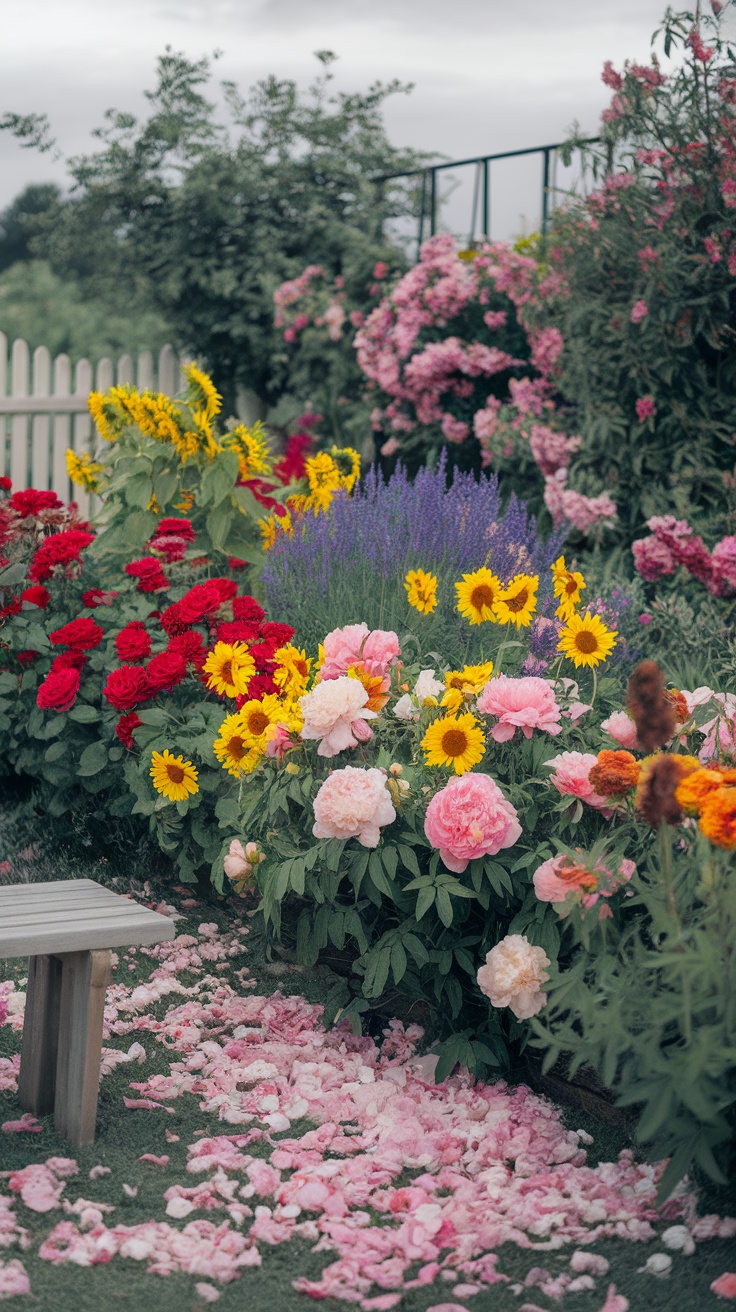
(37, 1080)
(84, 979)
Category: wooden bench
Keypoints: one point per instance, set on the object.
(67, 930)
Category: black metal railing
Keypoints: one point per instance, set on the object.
(481, 186)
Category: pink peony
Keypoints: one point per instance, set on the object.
(380, 650)
(470, 818)
(332, 711)
(236, 862)
(513, 975)
(570, 777)
(355, 644)
(524, 704)
(622, 728)
(353, 803)
(653, 558)
(723, 561)
(725, 1285)
(556, 878)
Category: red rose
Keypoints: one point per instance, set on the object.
(37, 595)
(277, 635)
(133, 643)
(96, 597)
(82, 634)
(58, 692)
(13, 608)
(237, 631)
(125, 726)
(149, 574)
(27, 657)
(127, 687)
(190, 646)
(203, 599)
(260, 686)
(59, 549)
(247, 608)
(236, 563)
(227, 588)
(5, 483)
(32, 502)
(165, 670)
(171, 620)
(182, 528)
(68, 660)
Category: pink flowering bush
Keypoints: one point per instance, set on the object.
(672, 545)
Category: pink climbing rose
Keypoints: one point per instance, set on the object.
(469, 818)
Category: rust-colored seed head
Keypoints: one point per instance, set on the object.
(655, 799)
(649, 706)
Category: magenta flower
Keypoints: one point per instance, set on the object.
(645, 408)
(639, 311)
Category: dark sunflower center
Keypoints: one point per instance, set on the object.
(481, 596)
(570, 585)
(454, 742)
(257, 722)
(236, 749)
(226, 672)
(586, 642)
(301, 668)
(176, 774)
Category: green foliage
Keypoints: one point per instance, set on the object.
(19, 221)
(49, 310)
(650, 1003)
(212, 216)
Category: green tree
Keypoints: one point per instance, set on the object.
(208, 217)
(20, 220)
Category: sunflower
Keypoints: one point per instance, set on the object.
(517, 602)
(347, 460)
(257, 715)
(476, 595)
(292, 671)
(202, 393)
(107, 421)
(464, 684)
(82, 469)
(586, 640)
(374, 684)
(421, 590)
(324, 478)
(172, 776)
(235, 749)
(230, 668)
(251, 445)
(454, 740)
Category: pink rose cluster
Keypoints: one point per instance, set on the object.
(470, 818)
(672, 543)
(525, 704)
(513, 976)
(353, 803)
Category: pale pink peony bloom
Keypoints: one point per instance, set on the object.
(469, 818)
(380, 650)
(621, 727)
(525, 704)
(513, 975)
(355, 644)
(331, 710)
(725, 1285)
(553, 884)
(570, 777)
(236, 862)
(353, 803)
(653, 558)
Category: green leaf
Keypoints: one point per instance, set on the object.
(398, 962)
(83, 714)
(408, 857)
(444, 907)
(425, 900)
(55, 751)
(92, 760)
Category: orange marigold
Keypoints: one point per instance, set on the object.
(615, 774)
(718, 817)
(692, 792)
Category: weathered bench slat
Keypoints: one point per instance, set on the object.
(35, 916)
(44, 890)
(73, 916)
(26, 943)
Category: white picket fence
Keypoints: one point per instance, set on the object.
(43, 410)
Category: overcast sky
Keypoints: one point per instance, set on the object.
(490, 75)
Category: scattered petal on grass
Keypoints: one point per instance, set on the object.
(615, 1302)
(206, 1292)
(131, 1190)
(97, 1172)
(26, 1125)
(659, 1264)
(145, 1104)
(155, 1161)
(725, 1285)
(13, 1279)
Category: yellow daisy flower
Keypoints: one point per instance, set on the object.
(517, 602)
(230, 668)
(234, 748)
(464, 684)
(454, 740)
(586, 640)
(186, 502)
(292, 671)
(83, 470)
(567, 585)
(476, 595)
(251, 444)
(257, 715)
(172, 776)
(421, 590)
